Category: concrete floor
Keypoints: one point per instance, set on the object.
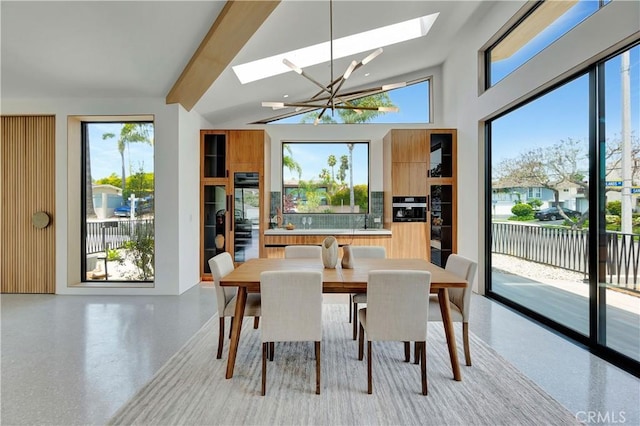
(76, 359)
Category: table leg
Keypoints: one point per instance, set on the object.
(443, 298)
(241, 299)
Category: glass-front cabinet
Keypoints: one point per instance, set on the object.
(441, 223)
(441, 187)
(214, 156)
(214, 218)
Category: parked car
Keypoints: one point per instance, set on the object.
(552, 213)
(143, 205)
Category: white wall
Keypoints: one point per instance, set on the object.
(190, 124)
(466, 110)
(176, 187)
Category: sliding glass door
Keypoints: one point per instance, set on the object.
(564, 204)
(540, 205)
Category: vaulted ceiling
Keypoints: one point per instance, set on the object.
(139, 49)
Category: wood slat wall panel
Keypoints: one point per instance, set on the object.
(28, 186)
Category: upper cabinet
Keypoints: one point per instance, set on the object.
(214, 155)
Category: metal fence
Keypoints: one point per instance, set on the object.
(113, 234)
(569, 249)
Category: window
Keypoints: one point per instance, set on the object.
(546, 22)
(325, 177)
(413, 102)
(572, 265)
(118, 201)
(534, 193)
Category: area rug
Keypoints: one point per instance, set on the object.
(191, 389)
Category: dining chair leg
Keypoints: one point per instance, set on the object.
(423, 366)
(272, 349)
(264, 368)
(350, 308)
(256, 322)
(220, 338)
(369, 379)
(407, 351)
(416, 356)
(230, 327)
(361, 344)
(317, 368)
(355, 321)
(465, 342)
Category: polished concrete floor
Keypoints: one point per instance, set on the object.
(71, 360)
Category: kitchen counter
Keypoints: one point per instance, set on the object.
(343, 232)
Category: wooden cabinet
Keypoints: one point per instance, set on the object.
(409, 179)
(422, 162)
(232, 212)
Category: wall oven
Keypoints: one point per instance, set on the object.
(409, 209)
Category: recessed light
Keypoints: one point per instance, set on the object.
(367, 74)
(285, 96)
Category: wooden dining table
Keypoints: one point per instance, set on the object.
(339, 280)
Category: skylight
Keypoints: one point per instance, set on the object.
(342, 47)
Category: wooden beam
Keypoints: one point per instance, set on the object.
(533, 25)
(234, 26)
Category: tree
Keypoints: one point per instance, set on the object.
(342, 171)
(351, 116)
(88, 184)
(289, 163)
(130, 133)
(565, 161)
(112, 179)
(331, 161)
(351, 196)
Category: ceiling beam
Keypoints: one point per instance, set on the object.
(234, 26)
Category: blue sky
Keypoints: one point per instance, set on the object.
(105, 158)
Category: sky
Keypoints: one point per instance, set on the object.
(105, 157)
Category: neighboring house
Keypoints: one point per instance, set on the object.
(506, 194)
(105, 199)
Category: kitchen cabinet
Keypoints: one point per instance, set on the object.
(232, 195)
(419, 163)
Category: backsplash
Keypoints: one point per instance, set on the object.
(334, 221)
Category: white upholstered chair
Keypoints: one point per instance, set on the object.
(303, 252)
(459, 299)
(397, 310)
(291, 312)
(221, 265)
(362, 252)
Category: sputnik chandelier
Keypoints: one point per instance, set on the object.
(330, 97)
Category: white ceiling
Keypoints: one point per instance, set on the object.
(138, 49)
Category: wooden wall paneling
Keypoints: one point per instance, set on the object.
(28, 186)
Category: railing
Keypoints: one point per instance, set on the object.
(113, 234)
(569, 249)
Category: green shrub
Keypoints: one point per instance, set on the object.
(114, 255)
(521, 218)
(535, 203)
(522, 210)
(612, 219)
(614, 208)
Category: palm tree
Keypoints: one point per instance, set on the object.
(130, 133)
(351, 116)
(90, 210)
(289, 163)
